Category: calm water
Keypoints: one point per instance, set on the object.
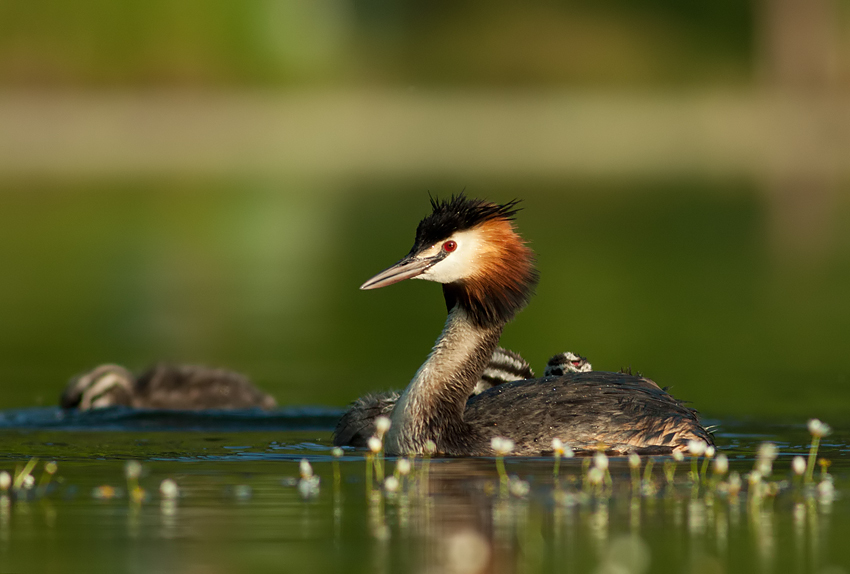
(715, 288)
(240, 508)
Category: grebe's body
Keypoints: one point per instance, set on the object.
(357, 425)
(174, 387)
(488, 275)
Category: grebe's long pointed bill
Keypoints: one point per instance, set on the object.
(407, 268)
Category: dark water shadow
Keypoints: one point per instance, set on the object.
(127, 419)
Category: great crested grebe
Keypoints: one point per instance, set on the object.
(488, 275)
(163, 386)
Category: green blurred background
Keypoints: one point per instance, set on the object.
(210, 182)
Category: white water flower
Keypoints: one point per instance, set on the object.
(375, 444)
(5, 480)
(562, 449)
(634, 460)
(798, 465)
(697, 447)
(678, 456)
(819, 429)
(558, 446)
(382, 425)
(501, 446)
(721, 464)
(305, 469)
(168, 489)
(767, 451)
(430, 447)
(709, 452)
(403, 466)
(337, 452)
(133, 469)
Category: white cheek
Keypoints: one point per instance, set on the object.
(459, 263)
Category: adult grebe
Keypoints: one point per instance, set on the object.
(488, 275)
(176, 387)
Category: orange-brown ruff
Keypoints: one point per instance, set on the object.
(503, 275)
(488, 275)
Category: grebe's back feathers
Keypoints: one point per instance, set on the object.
(631, 413)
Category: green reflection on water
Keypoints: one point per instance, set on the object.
(240, 510)
(689, 282)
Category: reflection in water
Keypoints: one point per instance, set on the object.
(696, 518)
(451, 518)
(597, 522)
(626, 555)
(464, 551)
(761, 524)
(721, 523)
(799, 518)
(558, 522)
(168, 514)
(5, 517)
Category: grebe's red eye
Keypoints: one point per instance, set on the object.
(449, 246)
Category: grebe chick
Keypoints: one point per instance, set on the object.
(173, 387)
(488, 275)
(568, 362)
(504, 366)
(357, 425)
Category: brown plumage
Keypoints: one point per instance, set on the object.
(621, 412)
(488, 275)
(163, 386)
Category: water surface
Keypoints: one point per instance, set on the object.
(240, 507)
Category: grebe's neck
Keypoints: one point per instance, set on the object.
(431, 408)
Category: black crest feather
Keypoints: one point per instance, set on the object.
(489, 300)
(458, 213)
